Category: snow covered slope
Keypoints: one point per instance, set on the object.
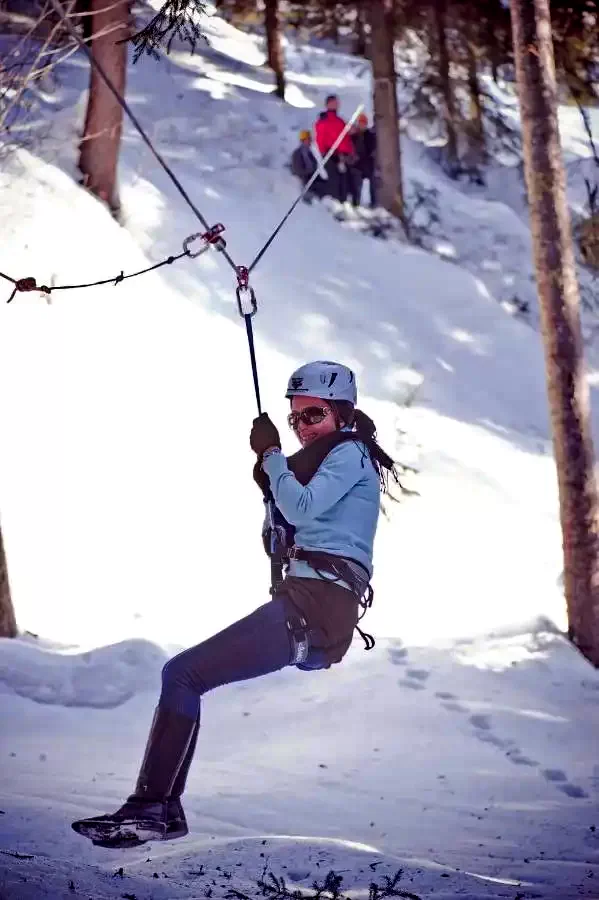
(131, 523)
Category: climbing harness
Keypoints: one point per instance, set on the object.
(348, 571)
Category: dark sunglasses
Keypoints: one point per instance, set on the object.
(311, 415)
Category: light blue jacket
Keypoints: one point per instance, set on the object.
(337, 511)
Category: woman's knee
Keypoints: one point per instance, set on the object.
(182, 671)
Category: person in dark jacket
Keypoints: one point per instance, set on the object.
(304, 165)
(363, 167)
(327, 129)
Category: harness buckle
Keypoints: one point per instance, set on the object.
(300, 638)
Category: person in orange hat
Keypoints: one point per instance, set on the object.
(304, 165)
(363, 167)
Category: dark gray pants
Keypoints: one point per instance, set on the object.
(262, 642)
(253, 646)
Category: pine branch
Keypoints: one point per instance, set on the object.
(176, 19)
(330, 889)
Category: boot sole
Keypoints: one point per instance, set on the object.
(125, 842)
(123, 835)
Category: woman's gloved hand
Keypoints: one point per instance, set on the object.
(261, 478)
(264, 434)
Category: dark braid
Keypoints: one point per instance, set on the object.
(365, 431)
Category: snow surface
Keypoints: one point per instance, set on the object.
(461, 750)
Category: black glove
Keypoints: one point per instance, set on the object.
(264, 434)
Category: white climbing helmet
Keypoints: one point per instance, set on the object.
(325, 380)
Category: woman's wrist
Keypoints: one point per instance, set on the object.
(269, 450)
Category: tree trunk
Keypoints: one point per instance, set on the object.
(8, 622)
(559, 301)
(274, 45)
(494, 55)
(333, 29)
(360, 34)
(476, 127)
(386, 118)
(440, 13)
(100, 144)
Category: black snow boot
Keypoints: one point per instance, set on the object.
(151, 812)
(176, 822)
(132, 830)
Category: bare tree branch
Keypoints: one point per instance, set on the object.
(28, 61)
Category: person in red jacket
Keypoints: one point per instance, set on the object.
(327, 129)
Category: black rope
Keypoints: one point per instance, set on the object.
(250, 334)
(25, 285)
(121, 277)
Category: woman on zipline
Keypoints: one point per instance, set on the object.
(325, 501)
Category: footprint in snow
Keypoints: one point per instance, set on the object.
(487, 737)
(485, 734)
(481, 721)
(520, 760)
(455, 707)
(554, 775)
(419, 674)
(415, 679)
(398, 656)
(560, 779)
(450, 702)
(483, 731)
(572, 790)
(414, 685)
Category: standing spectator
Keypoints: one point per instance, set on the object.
(364, 165)
(327, 129)
(304, 165)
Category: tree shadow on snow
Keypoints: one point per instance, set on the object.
(399, 315)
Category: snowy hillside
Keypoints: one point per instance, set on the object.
(462, 748)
